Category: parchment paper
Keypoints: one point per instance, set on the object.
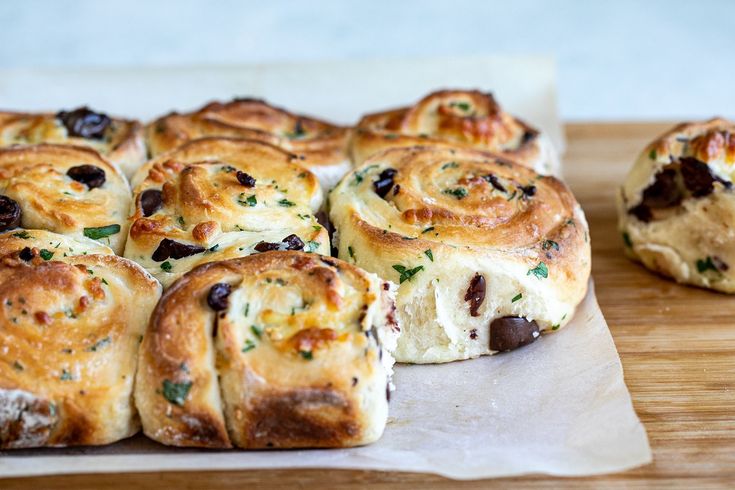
(559, 406)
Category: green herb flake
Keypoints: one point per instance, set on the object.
(99, 344)
(360, 174)
(250, 201)
(306, 354)
(46, 254)
(406, 274)
(458, 192)
(351, 251)
(166, 266)
(249, 345)
(65, 375)
(450, 165)
(555, 327)
(626, 240)
(427, 230)
(247, 309)
(22, 234)
(176, 393)
(652, 154)
(462, 106)
(517, 297)
(429, 254)
(317, 228)
(101, 231)
(311, 246)
(181, 221)
(512, 195)
(549, 244)
(257, 331)
(17, 366)
(540, 271)
(286, 203)
(707, 264)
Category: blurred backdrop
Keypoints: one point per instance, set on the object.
(616, 60)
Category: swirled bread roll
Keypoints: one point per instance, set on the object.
(65, 189)
(464, 118)
(275, 350)
(70, 329)
(488, 253)
(458, 118)
(677, 205)
(321, 146)
(218, 198)
(118, 140)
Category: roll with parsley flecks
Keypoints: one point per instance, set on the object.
(118, 140)
(273, 350)
(488, 253)
(219, 198)
(677, 205)
(64, 189)
(464, 118)
(320, 146)
(73, 316)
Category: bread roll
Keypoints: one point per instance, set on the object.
(65, 189)
(70, 332)
(488, 253)
(274, 350)
(321, 146)
(677, 206)
(458, 118)
(118, 140)
(218, 198)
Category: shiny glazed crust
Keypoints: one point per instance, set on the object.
(449, 216)
(123, 142)
(70, 330)
(291, 359)
(457, 118)
(36, 178)
(205, 204)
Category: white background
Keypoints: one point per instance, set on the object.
(616, 60)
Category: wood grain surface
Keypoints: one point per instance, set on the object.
(677, 345)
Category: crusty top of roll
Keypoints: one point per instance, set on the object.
(223, 195)
(258, 340)
(316, 142)
(467, 118)
(39, 179)
(70, 331)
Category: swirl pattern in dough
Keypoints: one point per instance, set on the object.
(65, 189)
(118, 140)
(70, 328)
(275, 350)
(321, 146)
(488, 253)
(219, 198)
(677, 205)
(458, 118)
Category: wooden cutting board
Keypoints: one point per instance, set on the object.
(677, 345)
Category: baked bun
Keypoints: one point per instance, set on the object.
(321, 146)
(70, 331)
(65, 189)
(465, 118)
(274, 350)
(677, 205)
(49, 245)
(488, 254)
(118, 140)
(219, 198)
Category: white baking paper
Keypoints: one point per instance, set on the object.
(559, 406)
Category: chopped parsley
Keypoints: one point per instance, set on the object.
(707, 264)
(351, 251)
(429, 254)
(450, 165)
(626, 240)
(249, 345)
(65, 375)
(512, 195)
(99, 344)
(652, 154)
(257, 331)
(101, 231)
(247, 309)
(540, 271)
(18, 366)
(181, 221)
(427, 230)
(406, 274)
(176, 393)
(360, 175)
(317, 228)
(286, 203)
(459, 192)
(22, 234)
(311, 246)
(462, 106)
(46, 254)
(166, 266)
(247, 201)
(306, 354)
(548, 244)
(516, 297)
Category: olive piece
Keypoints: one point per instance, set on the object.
(89, 175)
(171, 249)
(385, 182)
(218, 294)
(26, 254)
(475, 293)
(293, 242)
(151, 201)
(266, 246)
(85, 123)
(511, 332)
(9, 213)
(245, 179)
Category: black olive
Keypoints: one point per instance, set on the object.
(528, 136)
(293, 242)
(151, 201)
(697, 177)
(475, 293)
(511, 332)
(664, 192)
(529, 190)
(89, 175)
(174, 250)
(85, 123)
(218, 294)
(9, 213)
(493, 180)
(26, 254)
(245, 179)
(642, 212)
(266, 246)
(385, 182)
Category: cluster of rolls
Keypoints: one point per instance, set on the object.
(185, 276)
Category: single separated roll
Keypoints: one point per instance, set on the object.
(464, 118)
(276, 350)
(219, 198)
(65, 189)
(677, 206)
(321, 146)
(73, 316)
(118, 140)
(488, 254)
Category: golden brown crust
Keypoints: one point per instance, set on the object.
(453, 118)
(122, 143)
(37, 178)
(318, 143)
(71, 327)
(286, 361)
